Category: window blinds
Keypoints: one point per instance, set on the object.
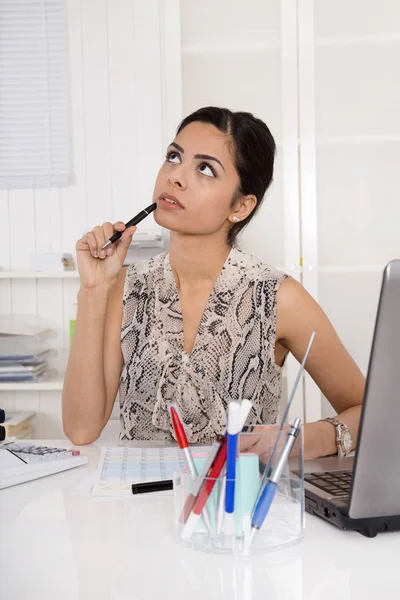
(33, 94)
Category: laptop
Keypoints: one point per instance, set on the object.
(362, 493)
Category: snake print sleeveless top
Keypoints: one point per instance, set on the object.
(233, 356)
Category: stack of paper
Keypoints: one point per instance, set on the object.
(24, 347)
(18, 425)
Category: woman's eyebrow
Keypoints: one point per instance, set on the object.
(203, 156)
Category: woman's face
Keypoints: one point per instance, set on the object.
(200, 176)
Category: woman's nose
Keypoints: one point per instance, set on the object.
(176, 179)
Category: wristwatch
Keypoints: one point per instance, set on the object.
(344, 438)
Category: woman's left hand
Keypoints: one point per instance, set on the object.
(261, 440)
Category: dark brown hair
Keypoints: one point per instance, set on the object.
(253, 150)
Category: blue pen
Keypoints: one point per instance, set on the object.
(234, 427)
(267, 470)
(268, 493)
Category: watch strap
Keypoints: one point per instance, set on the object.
(340, 428)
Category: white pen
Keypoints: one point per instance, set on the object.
(245, 408)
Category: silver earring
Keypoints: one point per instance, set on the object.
(235, 218)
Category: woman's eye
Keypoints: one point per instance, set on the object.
(210, 173)
(171, 156)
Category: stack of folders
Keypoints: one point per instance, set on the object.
(17, 425)
(25, 348)
(144, 245)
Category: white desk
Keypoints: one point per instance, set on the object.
(57, 545)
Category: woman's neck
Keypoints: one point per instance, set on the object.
(196, 260)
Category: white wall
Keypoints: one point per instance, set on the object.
(231, 57)
(122, 115)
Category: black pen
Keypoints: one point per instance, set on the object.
(152, 486)
(139, 217)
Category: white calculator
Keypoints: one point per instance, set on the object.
(21, 462)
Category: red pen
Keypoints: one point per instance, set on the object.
(184, 446)
(182, 440)
(196, 487)
(205, 492)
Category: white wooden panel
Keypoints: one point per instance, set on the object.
(51, 415)
(5, 290)
(147, 51)
(243, 22)
(356, 18)
(290, 176)
(47, 220)
(366, 104)
(265, 235)
(6, 398)
(97, 117)
(7, 401)
(74, 198)
(22, 227)
(5, 297)
(29, 401)
(358, 204)
(308, 178)
(212, 79)
(124, 149)
(22, 244)
(50, 307)
(4, 231)
(171, 69)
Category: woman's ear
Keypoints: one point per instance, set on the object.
(243, 207)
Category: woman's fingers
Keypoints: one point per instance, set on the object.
(91, 242)
(119, 226)
(96, 239)
(98, 233)
(109, 229)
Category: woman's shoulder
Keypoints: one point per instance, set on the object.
(254, 269)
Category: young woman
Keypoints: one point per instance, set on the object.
(203, 323)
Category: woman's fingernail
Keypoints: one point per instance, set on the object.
(102, 254)
(95, 253)
(109, 251)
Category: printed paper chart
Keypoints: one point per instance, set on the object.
(120, 467)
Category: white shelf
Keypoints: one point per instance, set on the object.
(227, 47)
(357, 139)
(27, 274)
(47, 384)
(353, 40)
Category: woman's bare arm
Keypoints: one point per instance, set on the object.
(95, 363)
(329, 363)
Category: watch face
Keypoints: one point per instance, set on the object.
(348, 441)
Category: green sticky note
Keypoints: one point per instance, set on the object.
(246, 490)
(71, 330)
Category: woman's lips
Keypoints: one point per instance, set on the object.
(169, 205)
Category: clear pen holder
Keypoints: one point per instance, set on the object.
(239, 534)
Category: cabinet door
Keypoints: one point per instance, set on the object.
(349, 69)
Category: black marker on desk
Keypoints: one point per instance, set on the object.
(152, 486)
(139, 217)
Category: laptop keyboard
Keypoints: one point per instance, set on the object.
(335, 483)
